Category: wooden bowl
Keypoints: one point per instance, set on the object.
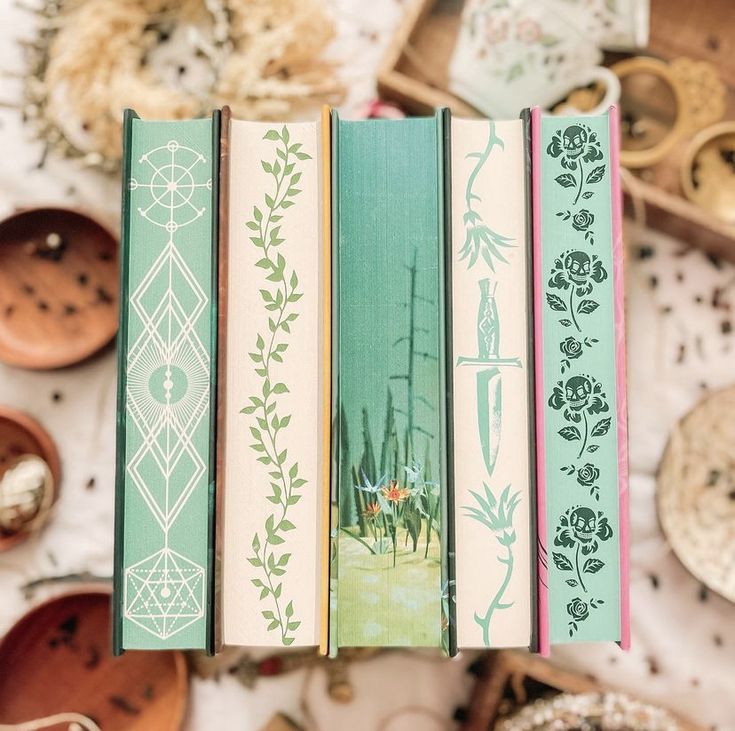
(708, 171)
(58, 658)
(58, 288)
(21, 434)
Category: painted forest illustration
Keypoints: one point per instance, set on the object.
(390, 506)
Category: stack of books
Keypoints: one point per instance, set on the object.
(371, 384)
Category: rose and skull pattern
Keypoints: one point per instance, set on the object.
(579, 380)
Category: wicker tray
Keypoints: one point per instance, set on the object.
(414, 74)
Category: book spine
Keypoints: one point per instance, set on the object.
(274, 422)
(336, 446)
(538, 333)
(449, 619)
(621, 399)
(223, 239)
(493, 448)
(213, 615)
(391, 453)
(120, 464)
(165, 448)
(326, 376)
(581, 386)
(531, 377)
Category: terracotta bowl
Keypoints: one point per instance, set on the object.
(22, 434)
(58, 288)
(58, 658)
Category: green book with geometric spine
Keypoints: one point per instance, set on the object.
(390, 571)
(163, 583)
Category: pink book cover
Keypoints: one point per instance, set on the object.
(620, 364)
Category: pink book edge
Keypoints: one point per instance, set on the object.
(543, 591)
(620, 381)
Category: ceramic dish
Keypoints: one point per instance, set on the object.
(21, 434)
(57, 659)
(58, 288)
(696, 492)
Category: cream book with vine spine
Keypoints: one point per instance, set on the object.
(272, 430)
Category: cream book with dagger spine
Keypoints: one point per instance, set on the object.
(491, 383)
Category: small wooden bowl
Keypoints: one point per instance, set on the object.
(21, 434)
(59, 288)
(708, 171)
(658, 86)
(57, 659)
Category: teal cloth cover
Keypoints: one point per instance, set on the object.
(579, 375)
(166, 353)
(390, 587)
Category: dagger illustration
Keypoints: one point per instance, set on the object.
(489, 375)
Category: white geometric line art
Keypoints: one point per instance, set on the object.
(172, 185)
(167, 393)
(164, 593)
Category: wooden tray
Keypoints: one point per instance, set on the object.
(57, 659)
(507, 680)
(22, 434)
(414, 74)
(57, 306)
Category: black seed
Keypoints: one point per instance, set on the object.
(103, 295)
(124, 705)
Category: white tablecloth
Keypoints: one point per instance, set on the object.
(683, 638)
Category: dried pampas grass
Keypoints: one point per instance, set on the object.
(92, 59)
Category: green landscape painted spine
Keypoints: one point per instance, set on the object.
(390, 553)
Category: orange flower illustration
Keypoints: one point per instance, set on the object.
(395, 494)
(371, 512)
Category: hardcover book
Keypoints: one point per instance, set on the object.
(166, 361)
(391, 584)
(580, 373)
(492, 367)
(274, 390)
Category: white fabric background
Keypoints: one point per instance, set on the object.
(683, 639)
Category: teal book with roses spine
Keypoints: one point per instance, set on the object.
(580, 381)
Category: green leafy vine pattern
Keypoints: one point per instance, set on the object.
(581, 398)
(279, 296)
